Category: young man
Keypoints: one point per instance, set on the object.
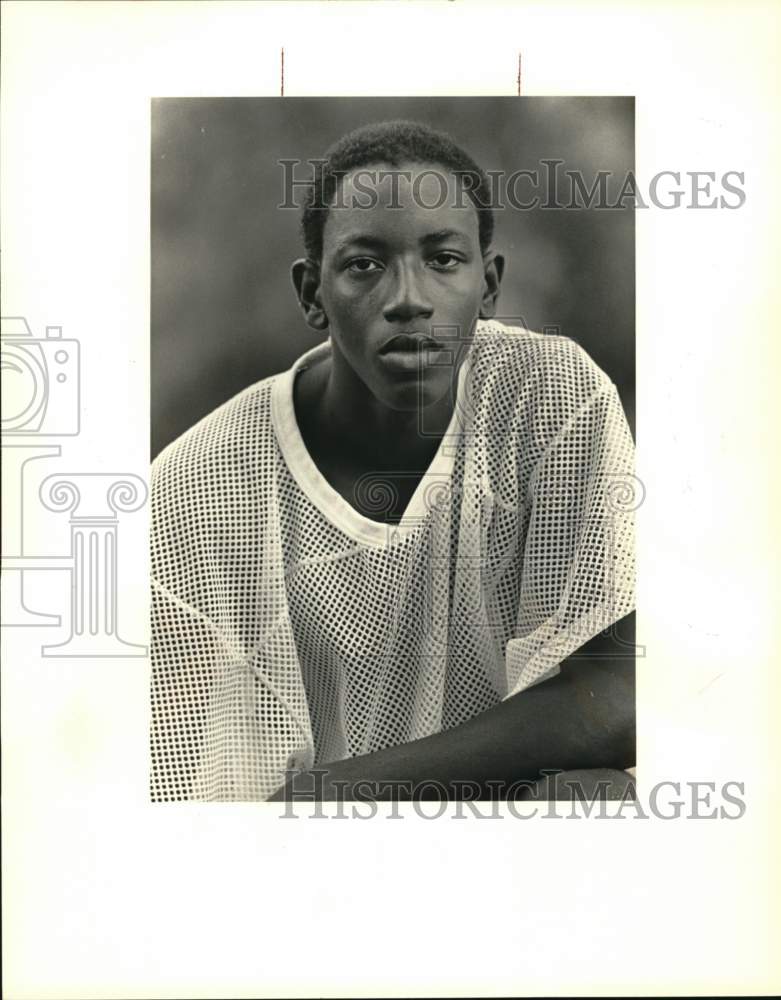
(364, 566)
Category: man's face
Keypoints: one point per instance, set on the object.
(404, 271)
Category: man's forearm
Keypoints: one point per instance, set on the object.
(582, 718)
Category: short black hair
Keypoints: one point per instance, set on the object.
(394, 143)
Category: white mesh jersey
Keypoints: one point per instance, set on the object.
(289, 629)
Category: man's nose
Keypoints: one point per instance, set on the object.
(408, 298)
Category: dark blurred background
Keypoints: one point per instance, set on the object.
(224, 313)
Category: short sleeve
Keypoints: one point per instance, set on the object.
(578, 574)
(228, 706)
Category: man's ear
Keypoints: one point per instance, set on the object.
(493, 264)
(306, 281)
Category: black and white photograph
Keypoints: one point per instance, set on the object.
(393, 488)
(389, 537)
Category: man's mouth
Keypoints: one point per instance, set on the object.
(410, 343)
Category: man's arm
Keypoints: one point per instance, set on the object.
(582, 718)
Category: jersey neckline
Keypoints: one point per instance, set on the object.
(316, 487)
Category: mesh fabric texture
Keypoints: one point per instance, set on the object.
(290, 630)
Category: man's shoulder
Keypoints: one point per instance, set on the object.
(235, 433)
(533, 381)
(207, 490)
(524, 389)
(526, 356)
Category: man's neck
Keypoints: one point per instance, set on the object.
(337, 406)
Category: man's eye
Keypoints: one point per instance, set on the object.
(363, 265)
(446, 261)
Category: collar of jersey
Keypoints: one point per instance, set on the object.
(328, 501)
